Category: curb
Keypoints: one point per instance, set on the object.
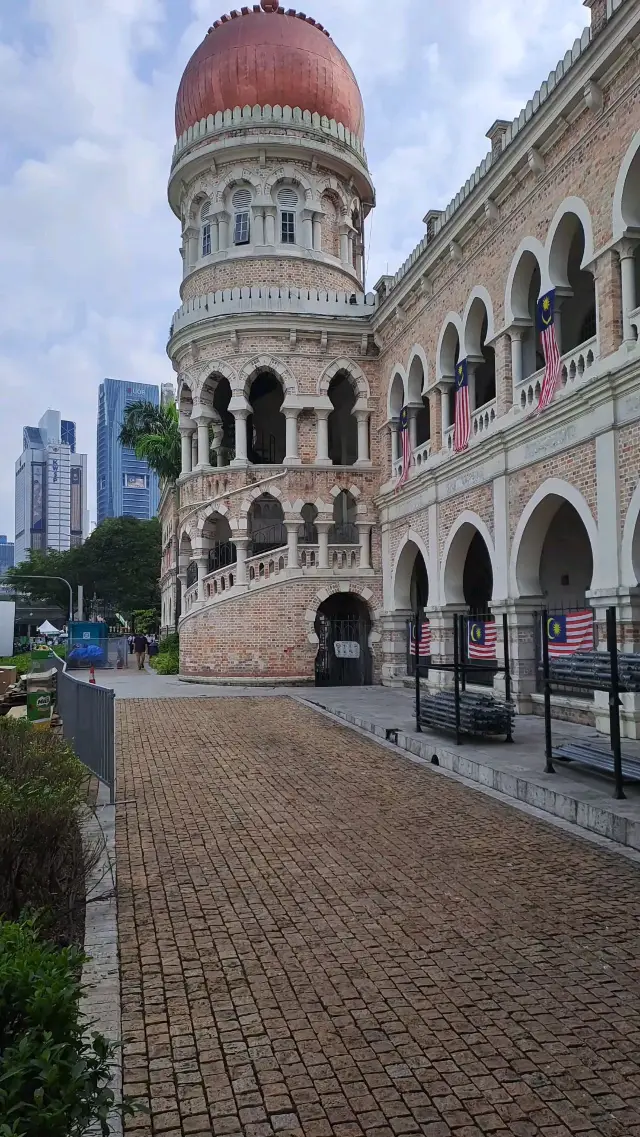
(101, 973)
(594, 819)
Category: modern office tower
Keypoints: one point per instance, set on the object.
(51, 488)
(126, 485)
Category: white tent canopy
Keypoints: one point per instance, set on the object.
(47, 629)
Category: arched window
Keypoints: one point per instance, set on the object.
(288, 202)
(206, 229)
(343, 428)
(308, 531)
(344, 530)
(241, 203)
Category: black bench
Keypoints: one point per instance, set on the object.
(598, 756)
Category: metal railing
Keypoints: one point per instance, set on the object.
(88, 723)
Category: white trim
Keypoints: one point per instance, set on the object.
(619, 224)
(465, 519)
(410, 538)
(556, 488)
(451, 318)
(527, 245)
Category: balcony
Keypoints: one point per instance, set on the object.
(576, 366)
(344, 557)
(420, 457)
(634, 319)
(482, 423)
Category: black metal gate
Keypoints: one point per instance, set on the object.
(344, 657)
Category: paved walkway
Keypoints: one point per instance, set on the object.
(319, 937)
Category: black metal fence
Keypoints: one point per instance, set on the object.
(565, 614)
(88, 723)
(221, 555)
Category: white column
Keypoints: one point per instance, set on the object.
(204, 443)
(362, 418)
(223, 231)
(203, 567)
(516, 356)
(291, 458)
(258, 228)
(269, 227)
(323, 528)
(292, 544)
(215, 236)
(194, 450)
(307, 229)
(413, 427)
(629, 298)
(240, 418)
(185, 438)
(317, 232)
(344, 244)
(182, 585)
(364, 530)
(241, 544)
(395, 440)
(322, 438)
(192, 238)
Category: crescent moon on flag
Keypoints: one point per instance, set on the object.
(476, 633)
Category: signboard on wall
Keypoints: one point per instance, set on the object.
(7, 622)
(347, 649)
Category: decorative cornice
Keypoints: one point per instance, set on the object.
(261, 116)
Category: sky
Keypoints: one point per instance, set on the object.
(89, 249)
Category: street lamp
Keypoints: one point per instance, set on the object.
(30, 576)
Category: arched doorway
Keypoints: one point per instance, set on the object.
(342, 626)
(266, 424)
(411, 583)
(343, 428)
(216, 535)
(575, 287)
(555, 558)
(468, 585)
(267, 529)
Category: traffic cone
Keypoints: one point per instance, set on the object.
(92, 674)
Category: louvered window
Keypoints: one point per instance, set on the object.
(204, 212)
(288, 202)
(206, 239)
(241, 202)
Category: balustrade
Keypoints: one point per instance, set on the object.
(575, 367)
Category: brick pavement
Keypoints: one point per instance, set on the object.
(319, 937)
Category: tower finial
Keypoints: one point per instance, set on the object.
(269, 5)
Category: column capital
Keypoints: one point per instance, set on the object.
(186, 425)
(362, 414)
(627, 246)
(322, 412)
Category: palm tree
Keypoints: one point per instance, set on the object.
(152, 432)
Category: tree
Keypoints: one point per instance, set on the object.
(118, 563)
(153, 433)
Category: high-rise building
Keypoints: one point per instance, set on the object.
(126, 485)
(51, 488)
(6, 555)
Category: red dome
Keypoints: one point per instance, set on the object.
(269, 58)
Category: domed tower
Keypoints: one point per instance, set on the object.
(276, 362)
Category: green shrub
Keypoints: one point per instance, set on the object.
(42, 861)
(52, 1077)
(170, 644)
(166, 663)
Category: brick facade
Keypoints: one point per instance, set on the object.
(554, 197)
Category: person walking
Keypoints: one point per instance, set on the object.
(140, 644)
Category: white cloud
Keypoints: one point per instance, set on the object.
(88, 246)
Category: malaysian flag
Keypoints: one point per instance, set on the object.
(462, 410)
(550, 349)
(570, 633)
(424, 639)
(482, 639)
(405, 436)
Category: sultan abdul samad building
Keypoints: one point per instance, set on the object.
(287, 524)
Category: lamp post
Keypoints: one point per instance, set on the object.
(30, 576)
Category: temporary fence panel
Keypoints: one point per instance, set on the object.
(88, 646)
(87, 714)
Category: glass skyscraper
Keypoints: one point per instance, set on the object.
(126, 485)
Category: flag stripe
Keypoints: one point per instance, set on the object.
(552, 366)
(405, 436)
(462, 416)
(488, 649)
(579, 636)
(424, 648)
